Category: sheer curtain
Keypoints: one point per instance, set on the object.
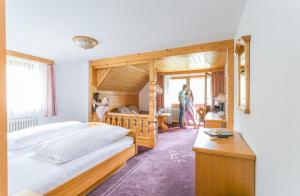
(26, 87)
(167, 94)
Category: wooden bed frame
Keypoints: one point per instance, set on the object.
(90, 179)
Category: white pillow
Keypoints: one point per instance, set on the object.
(36, 135)
(67, 148)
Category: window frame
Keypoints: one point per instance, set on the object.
(242, 47)
(205, 75)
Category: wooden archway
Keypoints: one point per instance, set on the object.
(150, 59)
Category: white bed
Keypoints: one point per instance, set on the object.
(27, 172)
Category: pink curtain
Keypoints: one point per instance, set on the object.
(217, 85)
(51, 99)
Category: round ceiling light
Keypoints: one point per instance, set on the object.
(85, 42)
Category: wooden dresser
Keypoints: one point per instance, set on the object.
(225, 166)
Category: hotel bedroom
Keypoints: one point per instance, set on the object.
(120, 98)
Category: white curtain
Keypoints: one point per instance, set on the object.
(26, 87)
(167, 94)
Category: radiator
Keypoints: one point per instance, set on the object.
(174, 118)
(174, 115)
(21, 123)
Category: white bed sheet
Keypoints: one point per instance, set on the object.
(25, 172)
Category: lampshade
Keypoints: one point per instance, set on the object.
(221, 98)
(85, 42)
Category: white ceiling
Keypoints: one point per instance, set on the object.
(45, 27)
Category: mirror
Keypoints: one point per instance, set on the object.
(242, 49)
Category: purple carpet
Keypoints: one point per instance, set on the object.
(166, 170)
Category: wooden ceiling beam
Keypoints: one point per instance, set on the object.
(154, 55)
(121, 64)
(191, 71)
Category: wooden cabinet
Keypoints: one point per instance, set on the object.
(224, 166)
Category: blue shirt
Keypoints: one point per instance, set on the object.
(182, 97)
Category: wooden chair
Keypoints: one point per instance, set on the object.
(201, 111)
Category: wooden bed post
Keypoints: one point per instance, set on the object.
(152, 103)
(3, 119)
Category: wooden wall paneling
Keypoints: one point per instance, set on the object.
(127, 78)
(203, 60)
(152, 103)
(121, 98)
(101, 75)
(3, 118)
(149, 56)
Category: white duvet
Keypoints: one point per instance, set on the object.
(67, 148)
(28, 138)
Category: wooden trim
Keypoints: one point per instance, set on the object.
(244, 48)
(152, 103)
(29, 57)
(3, 117)
(230, 89)
(127, 59)
(129, 63)
(96, 174)
(128, 115)
(191, 71)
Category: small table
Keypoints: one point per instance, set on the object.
(162, 118)
(212, 120)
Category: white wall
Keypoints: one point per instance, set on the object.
(71, 91)
(272, 129)
(144, 98)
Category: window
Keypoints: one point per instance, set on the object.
(242, 91)
(209, 90)
(26, 87)
(197, 86)
(175, 87)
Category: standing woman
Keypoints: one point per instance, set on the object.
(189, 112)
